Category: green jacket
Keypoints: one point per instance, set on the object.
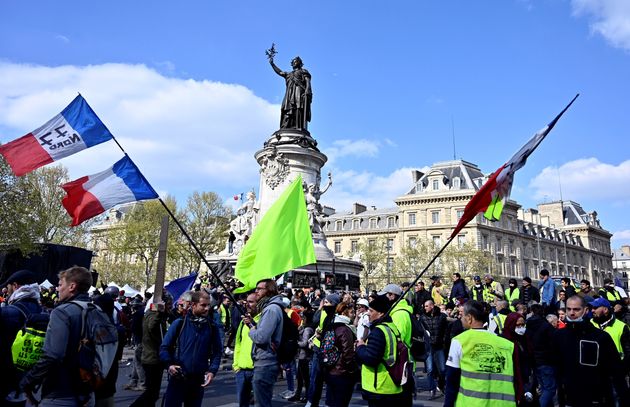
(153, 331)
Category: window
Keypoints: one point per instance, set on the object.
(337, 247)
(373, 223)
(437, 241)
(460, 213)
(371, 243)
(412, 218)
(413, 242)
(356, 224)
(436, 185)
(353, 246)
(338, 225)
(390, 263)
(461, 240)
(456, 183)
(391, 222)
(435, 217)
(484, 242)
(390, 244)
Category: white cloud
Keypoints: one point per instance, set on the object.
(62, 38)
(183, 133)
(584, 179)
(367, 188)
(609, 18)
(621, 235)
(354, 148)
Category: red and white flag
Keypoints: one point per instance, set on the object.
(492, 196)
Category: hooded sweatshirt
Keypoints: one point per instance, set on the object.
(267, 332)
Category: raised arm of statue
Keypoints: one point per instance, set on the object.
(276, 69)
(328, 185)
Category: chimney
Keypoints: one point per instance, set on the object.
(358, 208)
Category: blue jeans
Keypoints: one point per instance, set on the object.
(545, 375)
(184, 390)
(317, 380)
(436, 367)
(244, 380)
(264, 379)
(289, 369)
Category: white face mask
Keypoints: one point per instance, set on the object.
(520, 330)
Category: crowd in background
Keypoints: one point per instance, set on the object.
(522, 344)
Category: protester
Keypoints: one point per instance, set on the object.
(341, 377)
(104, 395)
(435, 323)
(58, 368)
(362, 320)
(439, 293)
(21, 305)
(604, 319)
(553, 320)
(467, 378)
(562, 300)
(562, 318)
(243, 364)
(379, 389)
(586, 290)
(459, 288)
(609, 292)
(540, 334)
(153, 330)
(567, 286)
(138, 380)
(266, 335)
(588, 363)
(512, 294)
(420, 296)
(305, 354)
(186, 348)
(497, 322)
(493, 292)
(514, 331)
(547, 290)
(477, 289)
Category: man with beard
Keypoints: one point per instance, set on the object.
(420, 296)
(243, 364)
(604, 319)
(188, 345)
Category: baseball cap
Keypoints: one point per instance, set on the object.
(390, 289)
(22, 277)
(363, 302)
(599, 302)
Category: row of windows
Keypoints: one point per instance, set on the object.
(391, 221)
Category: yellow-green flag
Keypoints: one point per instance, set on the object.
(280, 242)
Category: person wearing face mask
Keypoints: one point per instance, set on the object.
(476, 291)
(514, 331)
(512, 294)
(539, 334)
(588, 363)
(604, 319)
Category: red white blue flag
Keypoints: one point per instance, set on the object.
(94, 194)
(76, 128)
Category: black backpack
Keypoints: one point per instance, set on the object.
(288, 346)
(418, 335)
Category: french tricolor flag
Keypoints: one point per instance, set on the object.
(94, 194)
(74, 129)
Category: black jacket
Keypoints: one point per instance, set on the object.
(436, 324)
(587, 365)
(419, 298)
(459, 290)
(539, 332)
(528, 294)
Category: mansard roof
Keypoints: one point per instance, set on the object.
(469, 175)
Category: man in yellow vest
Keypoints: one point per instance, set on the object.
(479, 369)
(512, 294)
(604, 319)
(609, 292)
(497, 322)
(379, 388)
(243, 364)
(493, 291)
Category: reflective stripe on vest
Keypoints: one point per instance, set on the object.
(487, 368)
(322, 318)
(499, 319)
(377, 380)
(511, 296)
(613, 296)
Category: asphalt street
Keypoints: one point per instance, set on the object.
(222, 391)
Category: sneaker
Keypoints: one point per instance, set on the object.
(138, 388)
(228, 351)
(288, 394)
(295, 397)
(308, 404)
(433, 395)
(129, 386)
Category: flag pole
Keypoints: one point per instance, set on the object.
(404, 293)
(222, 268)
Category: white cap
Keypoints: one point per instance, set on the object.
(363, 302)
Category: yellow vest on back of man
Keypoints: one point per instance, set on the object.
(377, 380)
(615, 330)
(487, 377)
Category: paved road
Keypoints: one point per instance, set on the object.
(221, 393)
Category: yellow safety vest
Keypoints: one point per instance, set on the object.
(613, 296)
(487, 370)
(401, 317)
(487, 295)
(510, 296)
(438, 299)
(322, 318)
(243, 345)
(377, 380)
(499, 319)
(615, 330)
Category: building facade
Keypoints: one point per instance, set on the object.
(621, 265)
(559, 236)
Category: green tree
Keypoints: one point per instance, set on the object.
(466, 259)
(412, 259)
(372, 253)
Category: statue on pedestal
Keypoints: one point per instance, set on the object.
(242, 226)
(312, 193)
(295, 112)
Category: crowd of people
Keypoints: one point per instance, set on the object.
(484, 344)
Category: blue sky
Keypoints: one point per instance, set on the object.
(188, 91)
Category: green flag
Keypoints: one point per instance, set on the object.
(280, 242)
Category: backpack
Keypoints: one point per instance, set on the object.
(418, 334)
(29, 341)
(329, 352)
(288, 346)
(399, 367)
(98, 346)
